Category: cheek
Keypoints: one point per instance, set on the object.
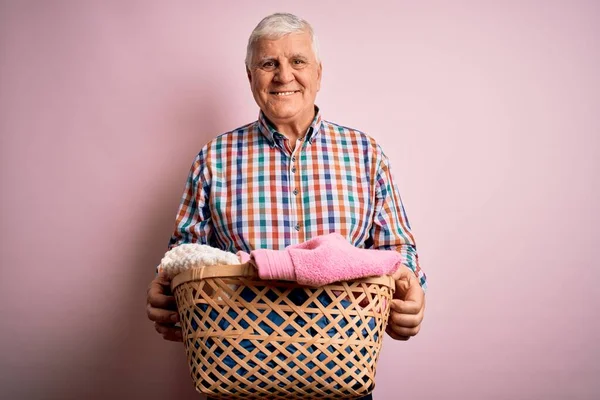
(311, 81)
(258, 90)
(256, 84)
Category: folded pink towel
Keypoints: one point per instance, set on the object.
(322, 260)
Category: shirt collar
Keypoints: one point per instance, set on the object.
(274, 137)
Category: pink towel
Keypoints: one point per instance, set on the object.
(322, 260)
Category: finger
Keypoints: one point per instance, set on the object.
(161, 283)
(415, 292)
(405, 320)
(159, 296)
(395, 336)
(407, 332)
(407, 286)
(161, 315)
(169, 332)
(399, 273)
(408, 301)
(403, 273)
(164, 278)
(406, 307)
(162, 301)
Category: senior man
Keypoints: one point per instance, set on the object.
(290, 176)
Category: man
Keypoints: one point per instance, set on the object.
(290, 176)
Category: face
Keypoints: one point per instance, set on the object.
(285, 78)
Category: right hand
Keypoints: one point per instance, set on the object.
(162, 309)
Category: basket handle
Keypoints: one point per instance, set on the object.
(248, 270)
(214, 271)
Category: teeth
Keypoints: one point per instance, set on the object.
(284, 93)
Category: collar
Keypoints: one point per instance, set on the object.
(268, 129)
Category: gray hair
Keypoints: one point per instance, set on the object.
(276, 26)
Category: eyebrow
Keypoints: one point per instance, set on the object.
(262, 60)
(268, 58)
(299, 55)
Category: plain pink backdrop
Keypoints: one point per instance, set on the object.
(489, 112)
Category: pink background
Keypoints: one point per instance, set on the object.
(489, 112)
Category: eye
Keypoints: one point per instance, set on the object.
(268, 64)
(299, 62)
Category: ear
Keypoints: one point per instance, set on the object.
(319, 74)
(249, 75)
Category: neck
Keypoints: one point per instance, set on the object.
(295, 128)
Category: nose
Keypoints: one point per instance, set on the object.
(284, 73)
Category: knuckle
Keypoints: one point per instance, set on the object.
(152, 297)
(149, 311)
(404, 331)
(156, 301)
(412, 322)
(394, 316)
(172, 336)
(397, 336)
(151, 301)
(415, 321)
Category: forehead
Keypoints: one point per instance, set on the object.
(286, 46)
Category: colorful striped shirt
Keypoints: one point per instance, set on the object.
(248, 189)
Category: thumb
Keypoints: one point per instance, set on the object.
(396, 305)
(164, 278)
(403, 279)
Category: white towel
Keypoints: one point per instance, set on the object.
(190, 255)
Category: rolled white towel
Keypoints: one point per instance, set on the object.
(190, 255)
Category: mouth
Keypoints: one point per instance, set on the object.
(284, 93)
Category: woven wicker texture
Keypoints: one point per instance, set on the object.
(247, 338)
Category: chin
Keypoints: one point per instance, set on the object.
(284, 113)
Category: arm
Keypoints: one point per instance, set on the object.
(192, 225)
(391, 231)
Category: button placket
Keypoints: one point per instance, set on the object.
(295, 180)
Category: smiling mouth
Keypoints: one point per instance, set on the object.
(288, 93)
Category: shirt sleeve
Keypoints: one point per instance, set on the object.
(391, 229)
(193, 223)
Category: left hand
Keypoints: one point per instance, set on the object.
(162, 308)
(408, 305)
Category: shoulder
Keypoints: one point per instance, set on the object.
(218, 147)
(220, 143)
(353, 136)
(242, 133)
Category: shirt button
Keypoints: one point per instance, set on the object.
(294, 169)
(293, 158)
(295, 191)
(297, 227)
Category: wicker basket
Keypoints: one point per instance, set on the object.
(248, 338)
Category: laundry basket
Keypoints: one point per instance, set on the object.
(248, 338)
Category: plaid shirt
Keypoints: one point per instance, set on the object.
(247, 189)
